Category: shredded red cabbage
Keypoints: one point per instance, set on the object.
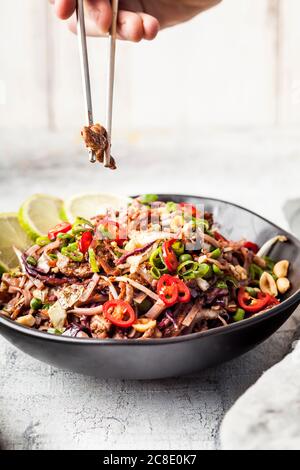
(51, 279)
(74, 329)
(213, 294)
(137, 251)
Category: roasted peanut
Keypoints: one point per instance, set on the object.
(281, 268)
(239, 272)
(144, 324)
(267, 284)
(26, 320)
(283, 285)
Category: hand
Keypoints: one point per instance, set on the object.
(137, 19)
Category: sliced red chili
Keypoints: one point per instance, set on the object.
(190, 209)
(169, 256)
(85, 241)
(167, 290)
(253, 304)
(119, 312)
(273, 301)
(252, 246)
(59, 228)
(184, 293)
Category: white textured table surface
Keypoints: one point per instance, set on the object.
(45, 408)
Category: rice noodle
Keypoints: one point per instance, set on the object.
(14, 289)
(190, 317)
(29, 284)
(142, 271)
(22, 282)
(111, 287)
(222, 320)
(90, 288)
(32, 250)
(87, 311)
(27, 297)
(211, 241)
(52, 246)
(24, 292)
(138, 286)
(156, 309)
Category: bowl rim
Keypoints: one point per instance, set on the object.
(287, 303)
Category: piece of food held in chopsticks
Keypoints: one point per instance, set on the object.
(96, 139)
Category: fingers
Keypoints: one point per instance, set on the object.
(98, 18)
(99, 12)
(64, 8)
(136, 26)
(151, 26)
(130, 26)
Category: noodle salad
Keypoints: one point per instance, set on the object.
(157, 270)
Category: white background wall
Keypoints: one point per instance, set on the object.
(237, 65)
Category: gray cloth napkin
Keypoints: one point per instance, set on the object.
(267, 415)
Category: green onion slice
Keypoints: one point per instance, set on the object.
(93, 261)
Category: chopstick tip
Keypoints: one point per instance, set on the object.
(92, 156)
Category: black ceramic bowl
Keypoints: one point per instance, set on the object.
(169, 357)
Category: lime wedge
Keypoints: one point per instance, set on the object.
(39, 214)
(11, 234)
(89, 205)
